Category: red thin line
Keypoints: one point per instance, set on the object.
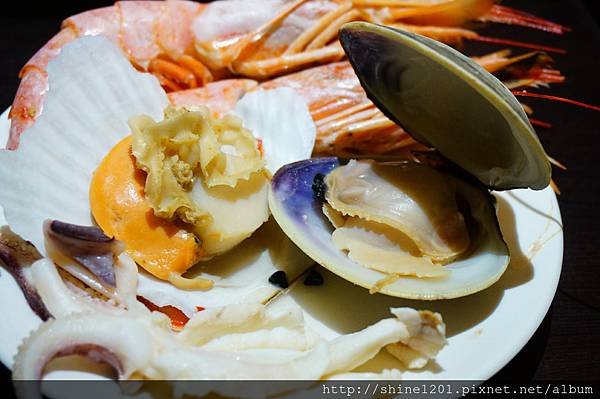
(531, 16)
(548, 77)
(515, 43)
(551, 71)
(523, 93)
(537, 122)
(515, 20)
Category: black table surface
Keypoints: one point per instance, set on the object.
(566, 346)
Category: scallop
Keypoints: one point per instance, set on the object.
(409, 229)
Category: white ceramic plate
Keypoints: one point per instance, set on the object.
(485, 330)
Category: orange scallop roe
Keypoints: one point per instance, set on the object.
(119, 207)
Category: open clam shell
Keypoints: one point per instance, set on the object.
(299, 213)
(445, 100)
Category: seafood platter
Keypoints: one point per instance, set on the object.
(276, 190)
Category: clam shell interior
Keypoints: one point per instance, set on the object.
(300, 216)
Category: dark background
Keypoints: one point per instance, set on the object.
(567, 344)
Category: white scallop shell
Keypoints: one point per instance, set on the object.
(93, 90)
(284, 125)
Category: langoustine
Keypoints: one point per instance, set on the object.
(186, 44)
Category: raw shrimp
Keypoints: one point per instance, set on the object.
(187, 44)
(265, 38)
(348, 123)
